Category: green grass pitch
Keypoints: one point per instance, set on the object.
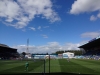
(75, 66)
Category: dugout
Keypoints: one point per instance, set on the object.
(92, 47)
(7, 52)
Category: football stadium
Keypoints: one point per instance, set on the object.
(66, 63)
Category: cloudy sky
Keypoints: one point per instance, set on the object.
(50, 25)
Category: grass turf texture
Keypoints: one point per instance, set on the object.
(75, 66)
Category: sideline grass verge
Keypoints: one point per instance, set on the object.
(75, 66)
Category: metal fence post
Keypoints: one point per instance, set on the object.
(44, 66)
(49, 64)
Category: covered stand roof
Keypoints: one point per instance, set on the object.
(6, 46)
(3, 45)
(92, 43)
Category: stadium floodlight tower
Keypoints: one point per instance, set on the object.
(27, 51)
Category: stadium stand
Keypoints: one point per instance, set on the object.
(91, 48)
(7, 52)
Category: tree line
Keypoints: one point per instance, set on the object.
(76, 52)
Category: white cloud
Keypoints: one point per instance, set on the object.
(24, 29)
(20, 12)
(39, 27)
(93, 18)
(81, 6)
(32, 28)
(44, 36)
(50, 47)
(46, 27)
(98, 15)
(85, 6)
(71, 46)
(90, 34)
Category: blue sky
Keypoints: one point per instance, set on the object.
(50, 25)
